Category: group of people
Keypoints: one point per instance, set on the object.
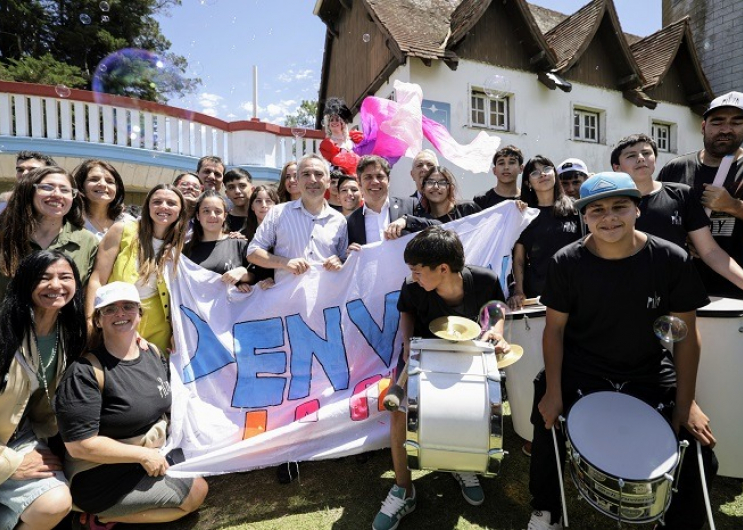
(85, 316)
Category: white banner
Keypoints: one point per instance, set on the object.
(294, 373)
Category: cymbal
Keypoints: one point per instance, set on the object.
(454, 328)
(507, 359)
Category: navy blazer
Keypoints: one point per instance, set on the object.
(357, 227)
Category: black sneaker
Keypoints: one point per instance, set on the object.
(287, 472)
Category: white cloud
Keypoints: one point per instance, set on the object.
(273, 112)
(296, 75)
(209, 100)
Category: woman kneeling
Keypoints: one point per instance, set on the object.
(111, 406)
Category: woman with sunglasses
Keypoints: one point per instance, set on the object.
(112, 406)
(439, 199)
(557, 225)
(44, 212)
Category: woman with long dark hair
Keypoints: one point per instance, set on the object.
(42, 325)
(557, 225)
(44, 212)
(288, 189)
(102, 192)
(439, 199)
(137, 252)
(212, 248)
(112, 407)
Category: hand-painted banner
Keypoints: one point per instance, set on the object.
(295, 372)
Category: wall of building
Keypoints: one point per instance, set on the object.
(716, 27)
(542, 119)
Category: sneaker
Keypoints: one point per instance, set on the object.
(541, 521)
(471, 489)
(287, 472)
(394, 508)
(526, 448)
(88, 521)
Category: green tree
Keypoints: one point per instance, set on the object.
(304, 117)
(44, 70)
(83, 35)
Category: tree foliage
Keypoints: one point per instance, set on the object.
(70, 39)
(304, 117)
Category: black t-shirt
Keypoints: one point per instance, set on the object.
(480, 287)
(544, 236)
(490, 198)
(461, 209)
(135, 396)
(671, 213)
(612, 305)
(220, 256)
(727, 230)
(235, 222)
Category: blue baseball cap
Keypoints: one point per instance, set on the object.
(606, 184)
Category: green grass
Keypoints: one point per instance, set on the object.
(346, 495)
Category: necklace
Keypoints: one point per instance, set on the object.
(43, 368)
(102, 228)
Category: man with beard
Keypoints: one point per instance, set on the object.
(722, 132)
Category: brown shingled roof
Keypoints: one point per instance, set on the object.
(655, 53)
(572, 36)
(465, 16)
(418, 32)
(545, 18)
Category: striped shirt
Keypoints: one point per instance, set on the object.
(290, 231)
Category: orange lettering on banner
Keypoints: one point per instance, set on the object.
(384, 386)
(255, 423)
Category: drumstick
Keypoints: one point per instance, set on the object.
(396, 392)
(559, 476)
(721, 175)
(704, 487)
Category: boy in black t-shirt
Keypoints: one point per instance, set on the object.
(440, 285)
(508, 163)
(670, 210)
(603, 295)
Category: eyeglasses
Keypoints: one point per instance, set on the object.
(48, 189)
(195, 187)
(127, 307)
(443, 184)
(546, 170)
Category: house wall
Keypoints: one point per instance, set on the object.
(715, 25)
(542, 119)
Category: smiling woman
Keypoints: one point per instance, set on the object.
(136, 252)
(44, 212)
(102, 193)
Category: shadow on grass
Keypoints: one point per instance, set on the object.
(346, 495)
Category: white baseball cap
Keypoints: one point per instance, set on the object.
(731, 99)
(572, 164)
(116, 292)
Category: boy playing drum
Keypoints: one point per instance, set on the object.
(603, 295)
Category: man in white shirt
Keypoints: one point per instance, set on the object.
(298, 234)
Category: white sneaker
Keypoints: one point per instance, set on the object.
(541, 521)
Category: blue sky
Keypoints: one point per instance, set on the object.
(223, 39)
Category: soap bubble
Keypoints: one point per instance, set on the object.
(85, 18)
(62, 91)
(496, 86)
(104, 6)
(134, 73)
(298, 132)
(707, 44)
(670, 329)
(366, 37)
(492, 313)
(105, 18)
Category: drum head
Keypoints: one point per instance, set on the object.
(622, 436)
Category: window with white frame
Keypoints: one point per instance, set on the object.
(661, 133)
(586, 125)
(491, 113)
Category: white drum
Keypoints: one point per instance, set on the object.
(622, 455)
(526, 329)
(720, 326)
(454, 416)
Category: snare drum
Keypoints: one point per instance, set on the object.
(526, 329)
(718, 393)
(454, 416)
(622, 456)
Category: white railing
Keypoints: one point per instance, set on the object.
(58, 113)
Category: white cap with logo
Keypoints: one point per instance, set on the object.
(731, 99)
